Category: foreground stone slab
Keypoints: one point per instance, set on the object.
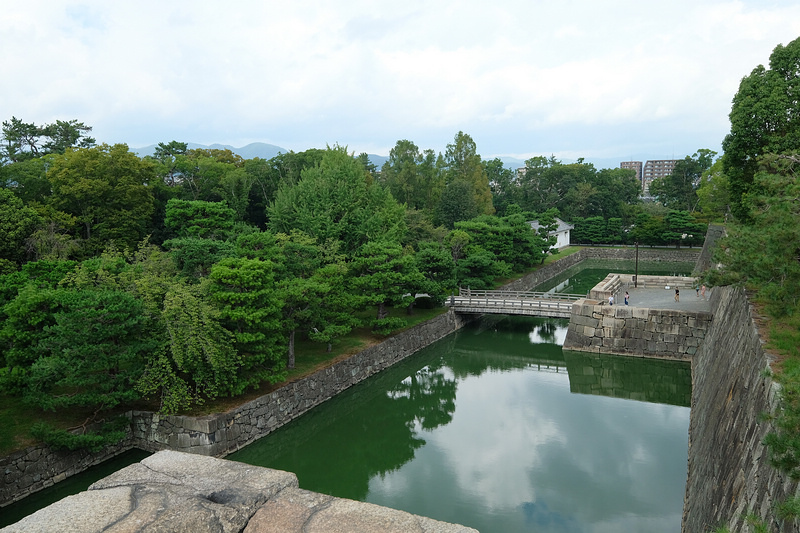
(300, 511)
(174, 491)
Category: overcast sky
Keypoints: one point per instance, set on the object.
(599, 79)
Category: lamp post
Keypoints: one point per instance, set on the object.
(636, 273)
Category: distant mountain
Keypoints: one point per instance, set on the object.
(251, 151)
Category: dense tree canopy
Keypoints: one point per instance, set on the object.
(765, 119)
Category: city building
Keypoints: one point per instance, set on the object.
(634, 165)
(657, 168)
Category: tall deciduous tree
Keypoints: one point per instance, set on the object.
(335, 201)
(765, 118)
(106, 190)
(464, 164)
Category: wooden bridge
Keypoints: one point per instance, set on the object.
(504, 302)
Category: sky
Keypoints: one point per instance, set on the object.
(610, 80)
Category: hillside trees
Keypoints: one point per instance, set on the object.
(17, 222)
(713, 193)
(464, 165)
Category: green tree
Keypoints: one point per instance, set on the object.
(682, 228)
(648, 229)
(501, 183)
(713, 193)
(591, 230)
(386, 276)
(456, 204)
(301, 287)
(762, 254)
(335, 201)
(244, 292)
(463, 164)
(765, 118)
(198, 346)
(22, 141)
(196, 218)
(401, 175)
(479, 268)
(679, 189)
(17, 223)
(106, 190)
(94, 352)
(167, 157)
(435, 261)
(27, 179)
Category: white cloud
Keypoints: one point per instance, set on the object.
(570, 77)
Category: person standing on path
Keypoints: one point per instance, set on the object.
(611, 300)
(626, 297)
(677, 295)
(703, 291)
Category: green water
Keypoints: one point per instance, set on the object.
(496, 428)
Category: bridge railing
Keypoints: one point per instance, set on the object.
(518, 295)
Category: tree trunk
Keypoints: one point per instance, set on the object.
(382, 312)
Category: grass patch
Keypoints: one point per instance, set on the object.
(16, 419)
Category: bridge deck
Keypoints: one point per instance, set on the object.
(554, 305)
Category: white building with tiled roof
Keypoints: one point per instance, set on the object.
(561, 233)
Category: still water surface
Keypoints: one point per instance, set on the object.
(496, 428)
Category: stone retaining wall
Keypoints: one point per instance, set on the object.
(223, 433)
(551, 270)
(38, 467)
(729, 471)
(641, 331)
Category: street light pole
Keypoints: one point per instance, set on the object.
(636, 274)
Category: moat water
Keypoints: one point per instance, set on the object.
(497, 428)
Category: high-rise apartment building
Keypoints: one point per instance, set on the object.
(659, 168)
(634, 165)
(651, 170)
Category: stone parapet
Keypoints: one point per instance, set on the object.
(173, 491)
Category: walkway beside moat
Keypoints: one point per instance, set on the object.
(665, 299)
